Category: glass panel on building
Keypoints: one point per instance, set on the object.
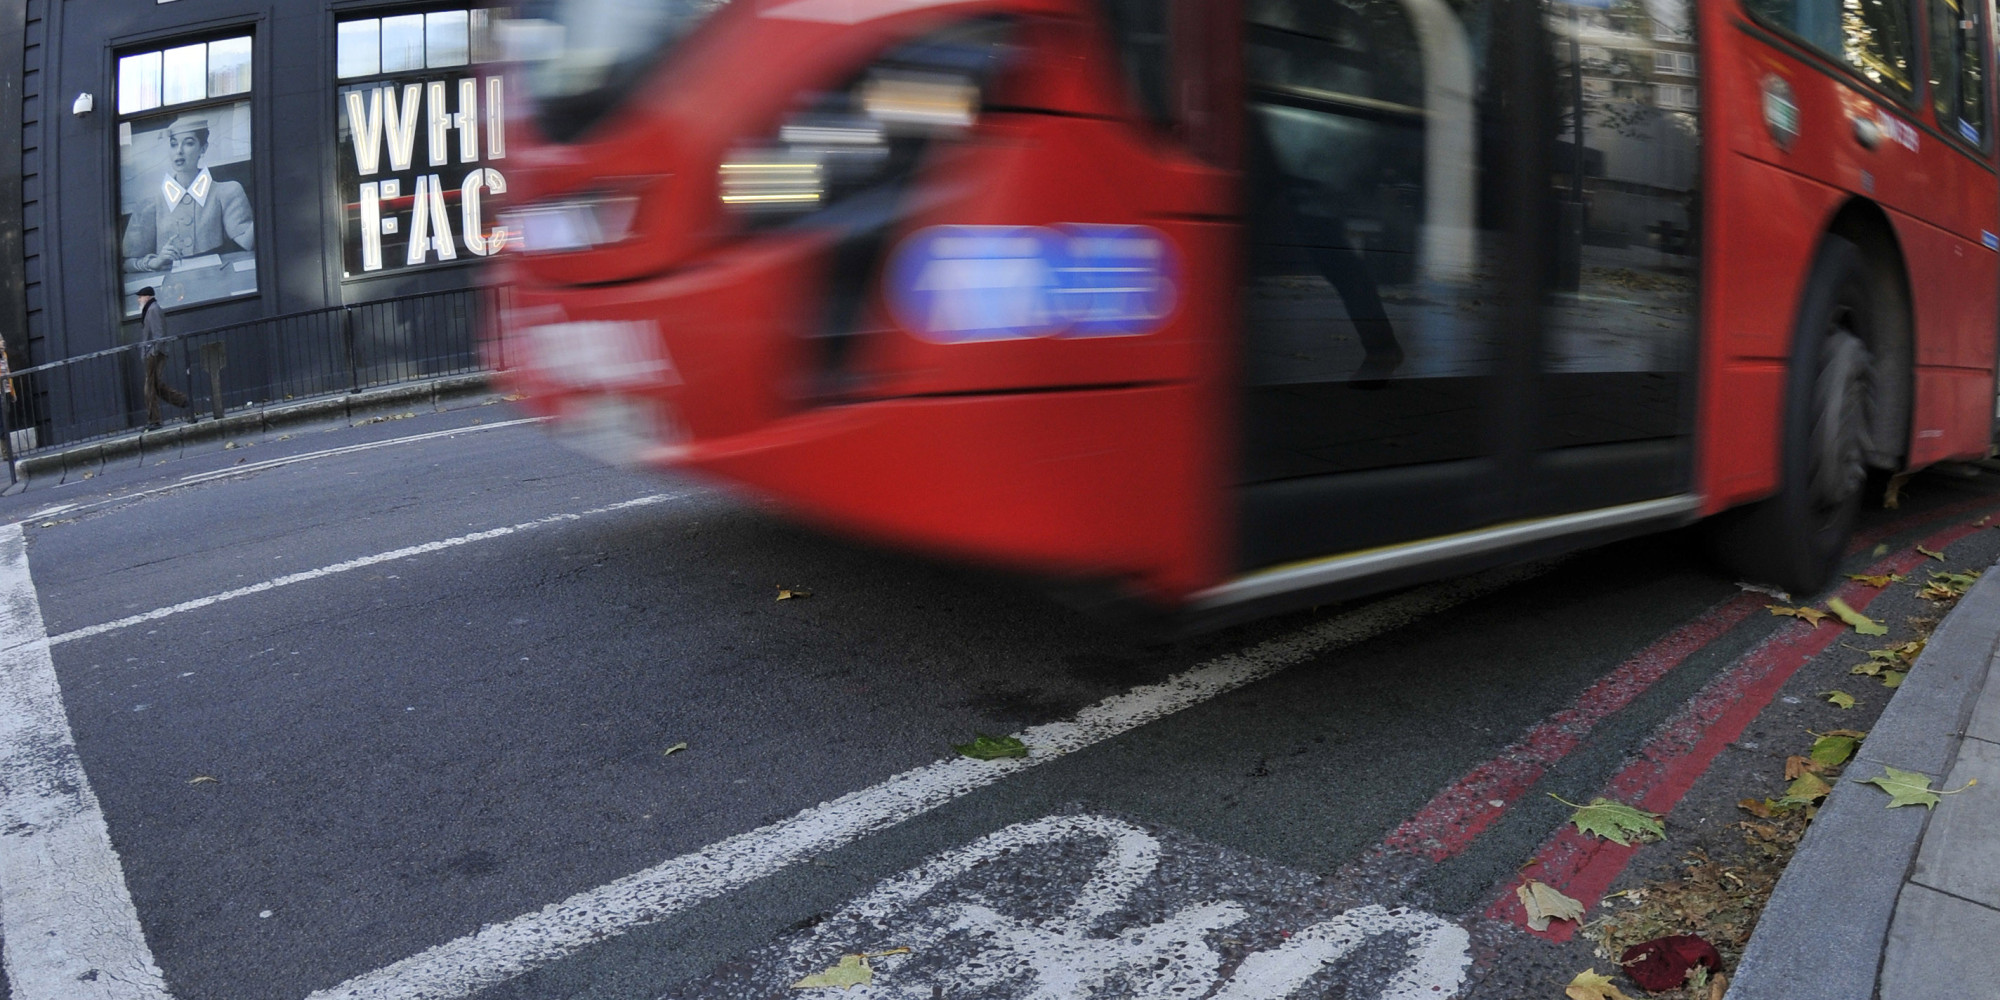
(445, 42)
(359, 49)
(402, 43)
(485, 47)
(184, 74)
(229, 66)
(138, 82)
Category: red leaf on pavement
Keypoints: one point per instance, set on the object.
(1663, 963)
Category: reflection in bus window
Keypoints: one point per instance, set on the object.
(1873, 36)
(1622, 317)
(1958, 69)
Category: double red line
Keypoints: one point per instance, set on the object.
(1678, 753)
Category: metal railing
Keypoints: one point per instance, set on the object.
(340, 349)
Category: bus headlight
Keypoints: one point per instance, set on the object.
(870, 133)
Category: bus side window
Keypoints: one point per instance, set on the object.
(1872, 36)
(1958, 68)
(1140, 30)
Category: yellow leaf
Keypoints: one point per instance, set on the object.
(1812, 615)
(1862, 623)
(1877, 581)
(792, 594)
(1588, 985)
(1892, 497)
(1934, 555)
(1840, 699)
(676, 748)
(1545, 903)
(852, 971)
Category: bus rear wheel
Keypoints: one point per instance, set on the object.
(1796, 538)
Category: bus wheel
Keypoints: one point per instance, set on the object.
(1795, 539)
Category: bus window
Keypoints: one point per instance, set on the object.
(1873, 36)
(1958, 69)
(1140, 28)
(1622, 317)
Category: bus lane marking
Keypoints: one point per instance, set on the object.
(1072, 906)
(307, 576)
(500, 952)
(72, 931)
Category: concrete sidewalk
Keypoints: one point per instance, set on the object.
(1902, 904)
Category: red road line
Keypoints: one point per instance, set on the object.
(1456, 816)
(1682, 750)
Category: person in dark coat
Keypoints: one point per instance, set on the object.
(153, 338)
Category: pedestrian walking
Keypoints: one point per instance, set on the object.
(153, 334)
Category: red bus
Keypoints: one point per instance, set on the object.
(1235, 303)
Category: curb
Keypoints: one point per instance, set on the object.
(1822, 935)
(255, 418)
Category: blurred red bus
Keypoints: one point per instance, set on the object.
(1236, 303)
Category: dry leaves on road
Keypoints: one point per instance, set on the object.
(1811, 616)
(1544, 903)
(1861, 623)
(1588, 985)
(984, 747)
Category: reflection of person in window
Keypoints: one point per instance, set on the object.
(192, 213)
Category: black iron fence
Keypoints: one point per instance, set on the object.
(342, 349)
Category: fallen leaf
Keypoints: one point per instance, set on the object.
(1544, 903)
(1761, 810)
(1881, 550)
(1877, 581)
(1939, 556)
(1893, 678)
(984, 747)
(1862, 623)
(1873, 668)
(1905, 788)
(1614, 821)
(676, 748)
(852, 971)
(785, 594)
(1833, 749)
(1665, 963)
(1806, 789)
(1892, 495)
(1588, 985)
(1718, 986)
(1759, 588)
(1854, 734)
(1840, 699)
(1796, 766)
(1811, 615)
(203, 779)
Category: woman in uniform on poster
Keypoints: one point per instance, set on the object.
(192, 213)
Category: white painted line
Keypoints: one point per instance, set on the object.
(351, 565)
(72, 932)
(246, 469)
(499, 952)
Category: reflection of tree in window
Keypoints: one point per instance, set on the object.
(1876, 41)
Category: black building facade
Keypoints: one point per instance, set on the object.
(274, 168)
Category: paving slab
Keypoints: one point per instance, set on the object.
(1918, 730)
(1961, 851)
(1942, 948)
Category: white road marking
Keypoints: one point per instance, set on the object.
(499, 952)
(1062, 956)
(246, 469)
(351, 565)
(72, 931)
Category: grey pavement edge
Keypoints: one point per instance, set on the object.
(1827, 928)
(252, 418)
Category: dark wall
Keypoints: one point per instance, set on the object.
(70, 277)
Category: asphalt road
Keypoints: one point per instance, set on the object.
(356, 722)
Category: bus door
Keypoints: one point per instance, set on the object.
(1465, 306)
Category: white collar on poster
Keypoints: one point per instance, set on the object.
(173, 191)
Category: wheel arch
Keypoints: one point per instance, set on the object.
(1865, 224)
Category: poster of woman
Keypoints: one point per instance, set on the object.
(185, 206)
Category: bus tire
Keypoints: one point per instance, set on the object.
(1796, 538)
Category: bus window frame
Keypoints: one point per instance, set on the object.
(1985, 145)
